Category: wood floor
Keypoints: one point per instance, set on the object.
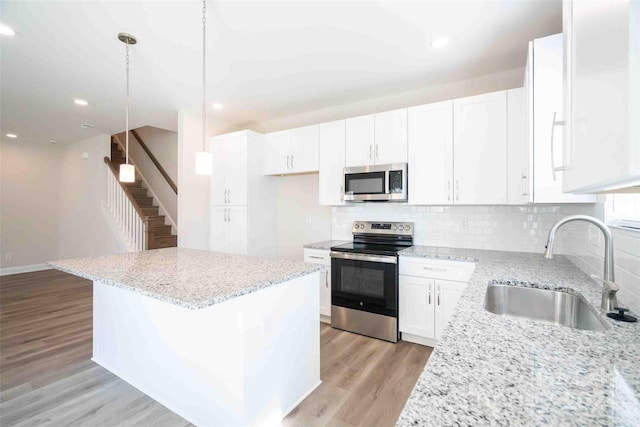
(47, 377)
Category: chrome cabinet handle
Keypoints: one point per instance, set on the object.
(228, 196)
(555, 123)
(434, 269)
(449, 190)
(229, 212)
(438, 294)
(429, 293)
(376, 151)
(225, 214)
(525, 186)
(370, 152)
(326, 279)
(315, 257)
(292, 162)
(457, 190)
(342, 193)
(288, 161)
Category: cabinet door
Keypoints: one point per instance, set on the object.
(431, 154)
(218, 187)
(480, 149)
(238, 233)
(390, 137)
(277, 153)
(416, 306)
(548, 153)
(331, 177)
(517, 166)
(304, 149)
(325, 293)
(237, 169)
(218, 230)
(447, 295)
(360, 141)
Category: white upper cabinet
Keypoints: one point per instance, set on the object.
(291, 151)
(480, 149)
(360, 140)
(430, 151)
(518, 192)
(332, 162)
(602, 85)
(377, 139)
(390, 137)
(545, 114)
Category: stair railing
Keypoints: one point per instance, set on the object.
(155, 161)
(130, 218)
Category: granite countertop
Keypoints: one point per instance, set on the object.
(326, 245)
(504, 371)
(190, 278)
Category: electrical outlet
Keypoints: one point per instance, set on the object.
(8, 256)
(465, 223)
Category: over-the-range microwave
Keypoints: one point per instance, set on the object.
(376, 183)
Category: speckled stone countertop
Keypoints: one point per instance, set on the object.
(326, 245)
(187, 277)
(504, 371)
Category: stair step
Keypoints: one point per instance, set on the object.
(135, 192)
(149, 210)
(161, 231)
(144, 201)
(164, 242)
(135, 184)
(117, 159)
(155, 221)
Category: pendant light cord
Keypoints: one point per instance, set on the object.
(204, 74)
(127, 109)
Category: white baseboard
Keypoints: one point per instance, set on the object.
(417, 339)
(303, 397)
(24, 269)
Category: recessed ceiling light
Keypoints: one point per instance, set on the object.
(6, 30)
(86, 126)
(12, 135)
(81, 102)
(218, 106)
(439, 42)
(52, 141)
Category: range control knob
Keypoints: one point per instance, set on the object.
(401, 227)
(356, 226)
(408, 227)
(394, 227)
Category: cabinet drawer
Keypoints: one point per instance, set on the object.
(317, 256)
(458, 271)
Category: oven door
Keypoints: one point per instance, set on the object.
(365, 282)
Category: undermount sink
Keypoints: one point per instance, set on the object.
(543, 305)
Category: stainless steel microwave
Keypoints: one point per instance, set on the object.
(377, 183)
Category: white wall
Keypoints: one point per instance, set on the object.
(164, 146)
(29, 215)
(300, 219)
(85, 228)
(193, 193)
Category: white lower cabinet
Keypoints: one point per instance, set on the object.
(319, 256)
(427, 298)
(228, 229)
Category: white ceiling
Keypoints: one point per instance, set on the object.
(266, 59)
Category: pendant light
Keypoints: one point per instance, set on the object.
(127, 171)
(204, 160)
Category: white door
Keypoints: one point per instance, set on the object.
(238, 230)
(517, 167)
(218, 147)
(237, 169)
(548, 153)
(431, 154)
(331, 177)
(480, 149)
(304, 149)
(390, 137)
(416, 306)
(447, 295)
(218, 230)
(360, 141)
(277, 153)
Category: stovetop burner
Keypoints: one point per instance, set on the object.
(378, 238)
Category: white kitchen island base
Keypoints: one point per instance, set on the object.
(246, 361)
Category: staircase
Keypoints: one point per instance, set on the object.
(160, 235)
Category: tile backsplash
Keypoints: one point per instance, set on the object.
(507, 228)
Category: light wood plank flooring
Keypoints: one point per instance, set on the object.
(47, 377)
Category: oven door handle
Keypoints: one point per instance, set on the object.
(365, 257)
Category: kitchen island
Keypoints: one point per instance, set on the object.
(489, 370)
(219, 339)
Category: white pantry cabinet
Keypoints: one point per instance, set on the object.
(377, 139)
(544, 113)
(429, 291)
(332, 162)
(480, 149)
(430, 149)
(242, 213)
(602, 90)
(322, 257)
(291, 151)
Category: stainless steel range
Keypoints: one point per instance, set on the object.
(364, 279)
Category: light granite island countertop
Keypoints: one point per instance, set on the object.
(504, 371)
(218, 339)
(190, 278)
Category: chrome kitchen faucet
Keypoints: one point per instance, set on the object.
(609, 287)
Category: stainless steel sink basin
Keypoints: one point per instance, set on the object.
(556, 307)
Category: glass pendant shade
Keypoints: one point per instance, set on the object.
(127, 173)
(204, 163)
